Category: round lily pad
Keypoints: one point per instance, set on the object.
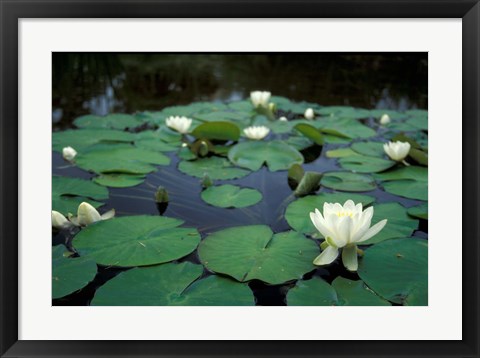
(340, 153)
(372, 149)
(254, 252)
(172, 284)
(298, 212)
(81, 139)
(119, 180)
(409, 182)
(397, 270)
(231, 196)
(120, 158)
(216, 168)
(136, 241)
(253, 154)
(70, 274)
(365, 164)
(346, 181)
(420, 211)
(345, 127)
(68, 193)
(220, 130)
(399, 224)
(113, 121)
(355, 293)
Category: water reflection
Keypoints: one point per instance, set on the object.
(101, 83)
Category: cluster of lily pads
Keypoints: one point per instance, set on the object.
(377, 150)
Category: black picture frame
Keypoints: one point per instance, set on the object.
(12, 11)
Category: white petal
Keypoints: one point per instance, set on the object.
(343, 230)
(349, 257)
(87, 214)
(326, 257)
(374, 230)
(108, 215)
(319, 223)
(349, 205)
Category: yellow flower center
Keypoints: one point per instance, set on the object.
(344, 213)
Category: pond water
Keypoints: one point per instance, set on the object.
(127, 83)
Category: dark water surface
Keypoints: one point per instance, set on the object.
(103, 83)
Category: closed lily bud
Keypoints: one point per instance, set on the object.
(385, 119)
(309, 114)
(87, 214)
(161, 195)
(272, 107)
(180, 124)
(69, 153)
(260, 98)
(397, 151)
(203, 148)
(283, 119)
(206, 181)
(59, 221)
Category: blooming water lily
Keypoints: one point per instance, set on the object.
(385, 119)
(180, 124)
(343, 228)
(260, 98)
(256, 132)
(87, 214)
(69, 153)
(309, 114)
(397, 151)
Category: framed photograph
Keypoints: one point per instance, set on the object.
(223, 178)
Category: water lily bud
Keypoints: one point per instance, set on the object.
(397, 150)
(69, 153)
(206, 181)
(161, 195)
(59, 221)
(283, 119)
(309, 114)
(385, 119)
(260, 98)
(256, 132)
(87, 214)
(180, 124)
(272, 107)
(203, 148)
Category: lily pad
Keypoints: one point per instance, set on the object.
(310, 132)
(365, 164)
(346, 181)
(345, 127)
(345, 112)
(298, 212)
(253, 154)
(223, 116)
(119, 180)
(372, 149)
(216, 168)
(355, 293)
(420, 211)
(220, 130)
(254, 252)
(81, 139)
(231, 196)
(409, 182)
(399, 224)
(397, 270)
(136, 241)
(340, 153)
(68, 193)
(70, 274)
(120, 158)
(156, 145)
(172, 285)
(114, 121)
(309, 183)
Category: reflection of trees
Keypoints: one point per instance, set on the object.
(153, 81)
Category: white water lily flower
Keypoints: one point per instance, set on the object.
(256, 132)
(385, 119)
(87, 214)
(59, 221)
(397, 151)
(343, 227)
(309, 114)
(180, 124)
(283, 119)
(260, 98)
(69, 153)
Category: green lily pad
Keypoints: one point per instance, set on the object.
(298, 212)
(216, 168)
(397, 270)
(254, 252)
(420, 211)
(81, 139)
(346, 181)
(344, 127)
(310, 132)
(113, 121)
(223, 116)
(394, 115)
(299, 143)
(345, 112)
(372, 149)
(340, 153)
(220, 130)
(313, 292)
(364, 164)
(309, 183)
(399, 224)
(163, 134)
(409, 182)
(119, 180)
(342, 292)
(172, 285)
(68, 193)
(70, 274)
(253, 154)
(155, 144)
(136, 241)
(120, 158)
(231, 196)
(419, 121)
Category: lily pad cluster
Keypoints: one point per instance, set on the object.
(331, 155)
